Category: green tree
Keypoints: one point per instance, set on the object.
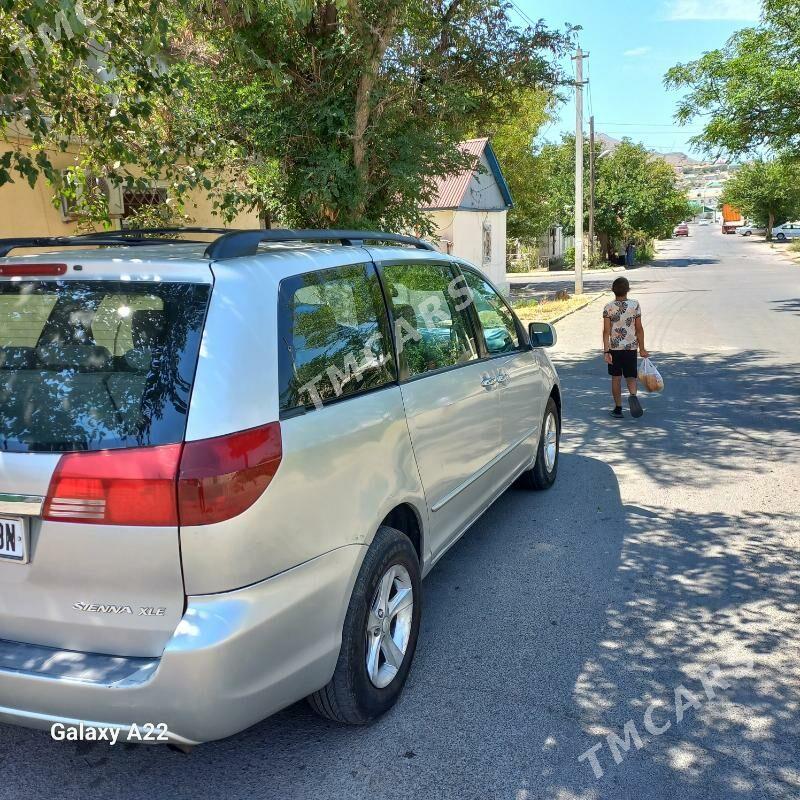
(362, 102)
(318, 112)
(766, 191)
(92, 72)
(555, 170)
(637, 196)
(636, 193)
(513, 138)
(748, 90)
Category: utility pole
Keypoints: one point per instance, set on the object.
(578, 59)
(591, 190)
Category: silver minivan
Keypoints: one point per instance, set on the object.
(226, 465)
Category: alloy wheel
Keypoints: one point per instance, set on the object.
(389, 625)
(550, 446)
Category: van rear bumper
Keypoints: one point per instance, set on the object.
(234, 659)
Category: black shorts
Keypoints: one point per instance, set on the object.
(624, 362)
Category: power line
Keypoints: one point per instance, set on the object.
(610, 131)
(643, 125)
(522, 14)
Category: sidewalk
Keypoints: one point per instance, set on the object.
(544, 284)
(535, 273)
(547, 285)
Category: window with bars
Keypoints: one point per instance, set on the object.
(137, 202)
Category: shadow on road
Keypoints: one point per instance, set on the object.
(718, 411)
(559, 617)
(690, 261)
(791, 306)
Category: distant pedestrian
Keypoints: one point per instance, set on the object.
(623, 335)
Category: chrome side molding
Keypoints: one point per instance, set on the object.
(25, 504)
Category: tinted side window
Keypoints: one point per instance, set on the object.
(334, 336)
(430, 329)
(497, 321)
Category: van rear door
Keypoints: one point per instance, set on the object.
(95, 382)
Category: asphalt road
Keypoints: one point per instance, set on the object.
(668, 544)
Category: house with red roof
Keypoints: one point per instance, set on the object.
(470, 209)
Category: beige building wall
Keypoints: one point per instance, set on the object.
(26, 211)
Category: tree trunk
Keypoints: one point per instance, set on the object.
(605, 245)
(770, 225)
(366, 83)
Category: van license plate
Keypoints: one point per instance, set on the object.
(14, 539)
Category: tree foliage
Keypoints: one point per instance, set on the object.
(636, 193)
(362, 102)
(768, 192)
(748, 90)
(90, 75)
(513, 136)
(318, 112)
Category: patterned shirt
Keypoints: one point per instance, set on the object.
(623, 315)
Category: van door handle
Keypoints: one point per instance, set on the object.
(487, 381)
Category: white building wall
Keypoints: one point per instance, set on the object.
(468, 230)
(483, 191)
(465, 230)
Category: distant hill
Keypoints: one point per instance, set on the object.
(608, 142)
(673, 159)
(678, 159)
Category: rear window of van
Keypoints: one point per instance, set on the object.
(91, 365)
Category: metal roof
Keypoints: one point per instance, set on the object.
(450, 190)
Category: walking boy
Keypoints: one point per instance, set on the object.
(623, 335)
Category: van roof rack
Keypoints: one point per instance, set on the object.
(230, 242)
(126, 236)
(235, 244)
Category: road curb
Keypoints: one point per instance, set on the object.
(566, 272)
(580, 307)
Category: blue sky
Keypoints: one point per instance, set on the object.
(631, 44)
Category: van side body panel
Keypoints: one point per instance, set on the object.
(344, 466)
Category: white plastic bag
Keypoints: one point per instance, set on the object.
(650, 377)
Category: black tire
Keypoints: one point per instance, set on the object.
(781, 237)
(350, 696)
(747, 233)
(539, 476)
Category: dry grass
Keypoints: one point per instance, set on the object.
(549, 310)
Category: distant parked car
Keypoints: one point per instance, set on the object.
(789, 230)
(704, 221)
(681, 230)
(748, 230)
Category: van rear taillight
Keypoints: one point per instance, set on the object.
(222, 477)
(116, 487)
(196, 483)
